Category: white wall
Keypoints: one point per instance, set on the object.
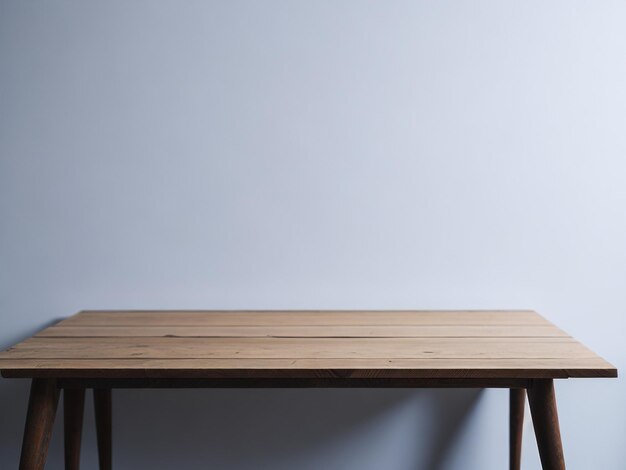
(286, 154)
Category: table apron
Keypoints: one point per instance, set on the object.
(68, 383)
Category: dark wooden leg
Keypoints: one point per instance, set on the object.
(102, 404)
(546, 422)
(517, 400)
(73, 407)
(42, 407)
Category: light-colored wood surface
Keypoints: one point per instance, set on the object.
(304, 318)
(300, 348)
(394, 344)
(312, 331)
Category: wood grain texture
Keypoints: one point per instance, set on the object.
(542, 401)
(73, 409)
(42, 406)
(310, 368)
(304, 344)
(299, 348)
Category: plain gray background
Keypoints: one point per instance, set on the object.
(317, 154)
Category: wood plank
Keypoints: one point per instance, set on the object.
(313, 363)
(404, 331)
(428, 367)
(305, 317)
(294, 348)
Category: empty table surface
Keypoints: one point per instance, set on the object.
(304, 344)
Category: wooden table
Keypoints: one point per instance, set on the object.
(103, 350)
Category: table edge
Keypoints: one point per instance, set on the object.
(330, 374)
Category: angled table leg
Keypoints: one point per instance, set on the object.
(546, 423)
(73, 407)
(102, 405)
(517, 401)
(42, 406)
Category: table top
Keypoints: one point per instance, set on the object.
(304, 344)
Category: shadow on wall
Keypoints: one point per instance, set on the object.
(13, 403)
(452, 411)
(287, 429)
(27, 333)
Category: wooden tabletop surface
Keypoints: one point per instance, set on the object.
(304, 344)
